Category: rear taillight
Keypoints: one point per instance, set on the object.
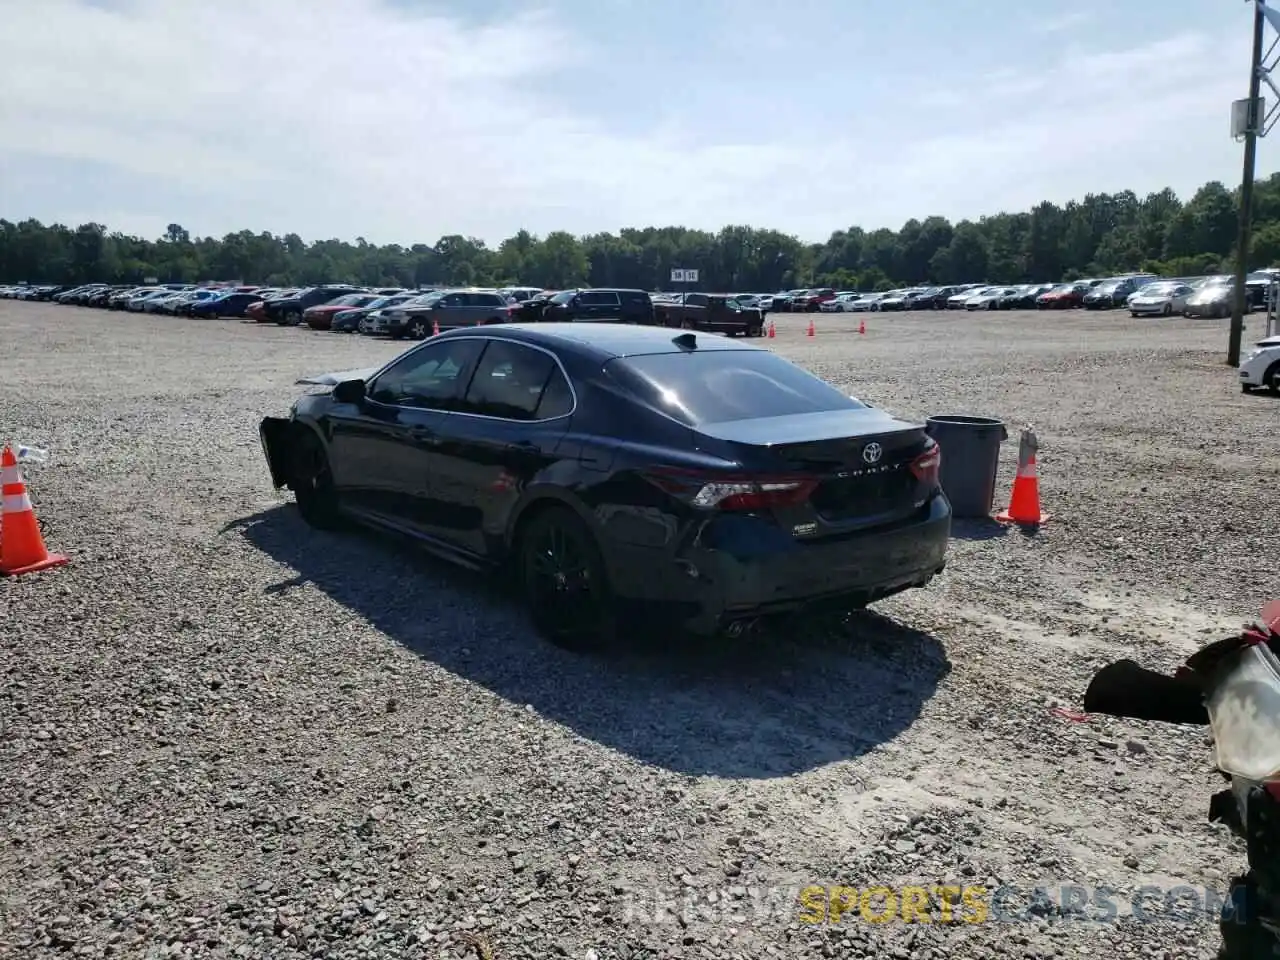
(735, 492)
(925, 467)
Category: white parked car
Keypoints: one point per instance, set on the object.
(1261, 367)
(866, 304)
(1162, 298)
(137, 301)
(843, 303)
(956, 301)
(989, 299)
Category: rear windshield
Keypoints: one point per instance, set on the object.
(719, 386)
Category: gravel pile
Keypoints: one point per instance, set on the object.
(223, 734)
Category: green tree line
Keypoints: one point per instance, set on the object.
(1101, 234)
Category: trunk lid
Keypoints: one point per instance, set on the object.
(860, 461)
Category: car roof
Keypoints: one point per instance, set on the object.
(605, 341)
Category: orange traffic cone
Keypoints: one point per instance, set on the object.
(812, 332)
(1024, 504)
(773, 329)
(435, 328)
(862, 326)
(21, 546)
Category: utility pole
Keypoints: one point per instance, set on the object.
(1246, 187)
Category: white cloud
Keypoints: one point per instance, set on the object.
(1062, 23)
(355, 118)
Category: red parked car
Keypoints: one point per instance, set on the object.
(811, 301)
(320, 317)
(1063, 297)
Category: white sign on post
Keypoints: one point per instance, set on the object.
(684, 276)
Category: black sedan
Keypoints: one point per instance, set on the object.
(616, 468)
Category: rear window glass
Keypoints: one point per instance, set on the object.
(720, 386)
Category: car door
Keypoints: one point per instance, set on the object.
(1180, 295)
(383, 449)
(599, 305)
(450, 311)
(515, 413)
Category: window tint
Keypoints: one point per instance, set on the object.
(432, 377)
(557, 398)
(509, 381)
(454, 300)
(485, 300)
(634, 296)
(600, 298)
(725, 385)
(564, 297)
(697, 300)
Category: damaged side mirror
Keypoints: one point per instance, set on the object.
(349, 391)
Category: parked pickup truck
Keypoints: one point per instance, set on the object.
(714, 312)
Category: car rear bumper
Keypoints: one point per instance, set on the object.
(739, 568)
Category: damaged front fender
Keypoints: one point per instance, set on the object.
(278, 436)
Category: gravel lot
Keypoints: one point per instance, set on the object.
(223, 734)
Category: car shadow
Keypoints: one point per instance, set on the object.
(773, 703)
(980, 528)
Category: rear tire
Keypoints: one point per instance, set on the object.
(418, 330)
(563, 580)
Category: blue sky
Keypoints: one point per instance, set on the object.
(402, 120)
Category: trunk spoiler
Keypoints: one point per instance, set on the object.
(333, 379)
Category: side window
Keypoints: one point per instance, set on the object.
(557, 398)
(454, 300)
(600, 298)
(431, 377)
(510, 381)
(697, 300)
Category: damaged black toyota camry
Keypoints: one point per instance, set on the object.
(617, 470)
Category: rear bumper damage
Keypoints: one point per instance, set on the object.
(745, 569)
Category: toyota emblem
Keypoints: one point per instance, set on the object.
(872, 453)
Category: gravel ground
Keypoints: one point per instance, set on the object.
(224, 734)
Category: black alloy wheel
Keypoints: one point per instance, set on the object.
(312, 484)
(418, 330)
(563, 578)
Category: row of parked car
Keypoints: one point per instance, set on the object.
(415, 314)
(1143, 294)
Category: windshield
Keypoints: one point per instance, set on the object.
(564, 297)
(1157, 289)
(1109, 287)
(351, 300)
(721, 386)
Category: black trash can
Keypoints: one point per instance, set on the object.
(970, 457)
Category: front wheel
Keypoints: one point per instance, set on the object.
(313, 488)
(1168, 309)
(563, 579)
(1272, 379)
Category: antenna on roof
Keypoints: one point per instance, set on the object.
(686, 341)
